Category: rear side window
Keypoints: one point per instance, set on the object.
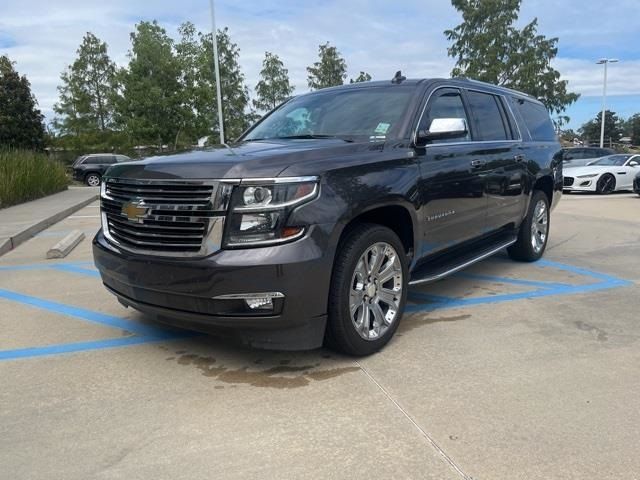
(537, 120)
(487, 116)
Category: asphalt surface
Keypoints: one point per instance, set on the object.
(506, 371)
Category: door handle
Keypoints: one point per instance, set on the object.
(519, 158)
(478, 163)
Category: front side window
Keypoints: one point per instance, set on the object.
(487, 116)
(373, 113)
(445, 103)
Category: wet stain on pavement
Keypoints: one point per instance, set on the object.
(600, 334)
(279, 376)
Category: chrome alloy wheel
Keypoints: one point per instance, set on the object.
(539, 226)
(93, 180)
(376, 291)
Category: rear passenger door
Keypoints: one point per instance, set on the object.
(499, 158)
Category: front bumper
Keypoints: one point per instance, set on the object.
(181, 292)
(582, 185)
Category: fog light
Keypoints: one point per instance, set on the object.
(268, 302)
(261, 303)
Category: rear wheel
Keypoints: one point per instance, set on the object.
(606, 184)
(534, 231)
(92, 179)
(368, 290)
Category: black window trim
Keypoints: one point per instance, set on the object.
(469, 142)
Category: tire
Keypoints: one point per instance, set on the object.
(533, 235)
(606, 184)
(349, 287)
(92, 179)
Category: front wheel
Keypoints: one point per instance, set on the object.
(368, 290)
(534, 231)
(606, 184)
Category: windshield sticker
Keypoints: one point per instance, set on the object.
(382, 128)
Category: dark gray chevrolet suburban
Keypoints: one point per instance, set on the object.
(311, 228)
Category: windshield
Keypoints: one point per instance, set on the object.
(612, 160)
(364, 113)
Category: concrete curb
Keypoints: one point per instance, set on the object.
(12, 242)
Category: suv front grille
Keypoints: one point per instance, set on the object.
(568, 181)
(164, 217)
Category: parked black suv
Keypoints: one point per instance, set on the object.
(90, 168)
(314, 224)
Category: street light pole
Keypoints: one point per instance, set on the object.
(605, 62)
(217, 71)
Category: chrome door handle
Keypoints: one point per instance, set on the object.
(478, 163)
(519, 158)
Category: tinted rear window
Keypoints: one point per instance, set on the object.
(537, 120)
(487, 116)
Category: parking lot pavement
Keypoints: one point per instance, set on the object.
(506, 370)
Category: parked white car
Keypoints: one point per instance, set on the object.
(604, 175)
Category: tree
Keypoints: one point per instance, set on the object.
(488, 47)
(635, 129)
(150, 105)
(329, 71)
(198, 87)
(612, 128)
(20, 121)
(273, 87)
(362, 77)
(86, 103)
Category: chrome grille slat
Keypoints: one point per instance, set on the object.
(165, 217)
(128, 224)
(156, 235)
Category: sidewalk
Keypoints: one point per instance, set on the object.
(21, 222)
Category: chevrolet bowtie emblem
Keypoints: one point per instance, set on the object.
(135, 211)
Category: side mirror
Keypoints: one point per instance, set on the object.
(633, 163)
(442, 128)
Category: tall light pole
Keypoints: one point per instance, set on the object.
(217, 71)
(605, 62)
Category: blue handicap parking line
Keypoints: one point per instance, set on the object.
(421, 302)
(544, 289)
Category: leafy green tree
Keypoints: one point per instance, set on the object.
(273, 87)
(362, 77)
(20, 121)
(198, 87)
(150, 104)
(489, 47)
(634, 130)
(330, 70)
(590, 131)
(86, 102)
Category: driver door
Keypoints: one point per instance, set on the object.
(451, 186)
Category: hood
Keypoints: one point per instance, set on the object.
(587, 170)
(264, 159)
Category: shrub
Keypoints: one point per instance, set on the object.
(26, 175)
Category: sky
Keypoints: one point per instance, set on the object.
(377, 36)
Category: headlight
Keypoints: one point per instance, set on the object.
(588, 176)
(260, 210)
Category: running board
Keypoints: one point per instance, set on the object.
(433, 272)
